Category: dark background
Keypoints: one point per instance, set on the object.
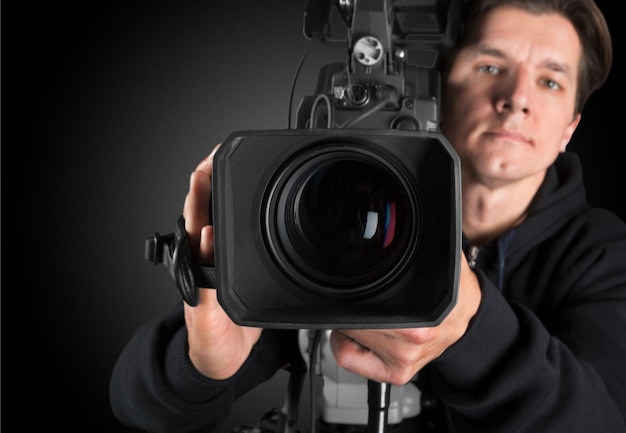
(107, 107)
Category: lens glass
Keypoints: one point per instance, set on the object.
(348, 221)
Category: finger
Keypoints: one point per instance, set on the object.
(206, 165)
(206, 250)
(355, 357)
(371, 339)
(199, 195)
(196, 209)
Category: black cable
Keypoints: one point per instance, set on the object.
(294, 391)
(322, 97)
(317, 338)
(293, 87)
(388, 97)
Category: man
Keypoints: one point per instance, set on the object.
(537, 339)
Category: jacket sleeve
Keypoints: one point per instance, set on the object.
(559, 367)
(155, 387)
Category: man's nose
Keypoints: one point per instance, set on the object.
(514, 93)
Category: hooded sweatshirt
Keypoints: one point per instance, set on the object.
(546, 351)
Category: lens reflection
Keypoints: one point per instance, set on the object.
(345, 209)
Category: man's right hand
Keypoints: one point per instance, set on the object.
(217, 346)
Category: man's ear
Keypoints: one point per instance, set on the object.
(569, 131)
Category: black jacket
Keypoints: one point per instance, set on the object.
(546, 351)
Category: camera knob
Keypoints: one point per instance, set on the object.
(368, 51)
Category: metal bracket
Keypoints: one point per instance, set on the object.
(172, 250)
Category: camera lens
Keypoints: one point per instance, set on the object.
(345, 222)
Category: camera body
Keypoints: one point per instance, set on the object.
(352, 219)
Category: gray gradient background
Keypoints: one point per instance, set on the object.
(106, 110)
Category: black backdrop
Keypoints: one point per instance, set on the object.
(106, 109)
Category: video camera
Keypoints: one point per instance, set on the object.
(351, 219)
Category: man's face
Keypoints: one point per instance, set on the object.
(509, 102)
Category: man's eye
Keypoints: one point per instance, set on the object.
(488, 69)
(550, 84)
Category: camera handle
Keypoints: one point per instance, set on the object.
(378, 397)
(172, 250)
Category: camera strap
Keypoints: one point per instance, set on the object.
(173, 251)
